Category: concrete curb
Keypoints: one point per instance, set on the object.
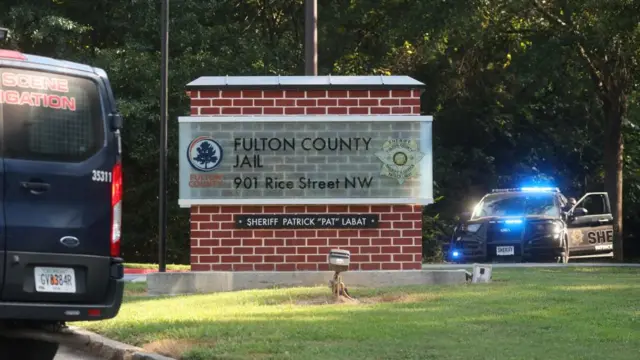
(88, 342)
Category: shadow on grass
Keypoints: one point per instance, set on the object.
(522, 318)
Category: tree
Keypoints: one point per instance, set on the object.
(206, 154)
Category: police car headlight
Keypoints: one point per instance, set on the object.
(556, 228)
(473, 227)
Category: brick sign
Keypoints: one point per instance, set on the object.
(315, 160)
(307, 221)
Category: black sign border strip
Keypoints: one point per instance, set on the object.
(240, 220)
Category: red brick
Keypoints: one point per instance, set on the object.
(294, 94)
(230, 209)
(252, 259)
(403, 241)
(263, 102)
(316, 110)
(384, 225)
(391, 249)
(294, 111)
(412, 233)
(306, 102)
(273, 94)
(324, 267)
(339, 242)
(263, 233)
(252, 111)
(379, 93)
(368, 102)
(222, 217)
(221, 234)
(411, 249)
(391, 266)
(227, 226)
(306, 267)
(305, 233)
(208, 259)
(273, 111)
(284, 233)
(209, 226)
(411, 266)
(401, 93)
(401, 110)
(230, 259)
(273, 258)
(286, 250)
(347, 102)
(380, 110)
(359, 242)
(337, 111)
(242, 233)
(369, 233)
(265, 250)
(209, 94)
(390, 233)
(402, 257)
(347, 233)
(194, 242)
(285, 267)
(370, 266)
(273, 242)
(338, 208)
(242, 102)
(370, 249)
(307, 250)
(231, 111)
(402, 225)
(248, 209)
(285, 102)
(317, 258)
(380, 208)
(359, 93)
(264, 267)
(222, 102)
(417, 257)
(317, 242)
(352, 267)
(381, 257)
(195, 111)
(338, 93)
(222, 250)
(242, 250)
(327, 233)
(416, 93)
(415, 109)
(316, 93)
(222, 267)
(412, 216)
(201, 234)
(242, 267)
(381, 241)
(316, 208)
(194, 259)
(353, 249)
(194, 226)
(200, 217)
(230, 242)
(200, 267)
(327, 102)
(230, 93)
(206, 102)
(417, 241)
(295, 209)
(389, 102)
(273, 209)
(295, 258)
(201, 250)
(295, 242)
(251, 93)
(410, 101)
(360, 208)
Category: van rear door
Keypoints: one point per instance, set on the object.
(58, 160)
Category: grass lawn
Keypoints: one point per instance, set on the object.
(524, 314)
(155, 266)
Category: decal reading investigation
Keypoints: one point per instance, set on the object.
(270, 183)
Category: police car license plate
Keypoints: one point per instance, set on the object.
(55, 280)
(504, 250)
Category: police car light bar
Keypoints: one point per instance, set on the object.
(527, 189)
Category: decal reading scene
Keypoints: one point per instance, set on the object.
(36, 99)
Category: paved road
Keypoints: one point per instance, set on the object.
(527, 265)
(65, 353)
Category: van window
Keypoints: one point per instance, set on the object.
(49, 117)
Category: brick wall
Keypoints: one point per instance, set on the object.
(217, 245)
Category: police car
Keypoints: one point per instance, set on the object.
(60, 191)
(534, 224)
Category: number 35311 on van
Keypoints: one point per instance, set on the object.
(60, 191)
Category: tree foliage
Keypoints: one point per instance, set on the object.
(520, 89)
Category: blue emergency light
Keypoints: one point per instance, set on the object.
(528, 189)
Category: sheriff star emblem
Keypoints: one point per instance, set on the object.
(400, 159)
(576, 237)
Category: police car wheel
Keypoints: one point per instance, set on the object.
(564, 255)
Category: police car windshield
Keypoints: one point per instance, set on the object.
(517, 204)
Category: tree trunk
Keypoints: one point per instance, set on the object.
(613, 165)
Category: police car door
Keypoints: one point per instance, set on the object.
(592, 233)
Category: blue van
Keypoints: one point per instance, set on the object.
(60, 191)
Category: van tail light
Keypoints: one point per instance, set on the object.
(116, 210)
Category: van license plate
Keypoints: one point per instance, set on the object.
(504, 250)
(55, 280)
